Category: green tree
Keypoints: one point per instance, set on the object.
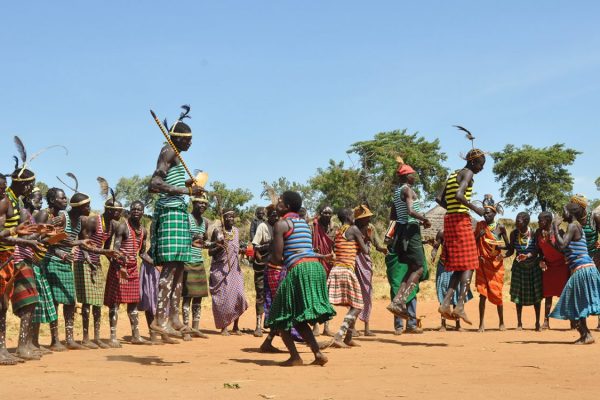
(310, 197)
(236, 199)
(43, 188)
(339, 186)
(377, 159)
(536, 178)
(135, 188)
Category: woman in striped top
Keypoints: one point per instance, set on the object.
(409, 245)
(460, 250)
(344, 288)
(590, 229)
(581, 296)
(301, 298)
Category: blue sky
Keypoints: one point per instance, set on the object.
(307, 78)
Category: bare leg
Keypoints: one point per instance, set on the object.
(165, 288)
(132, 313)
(113, 319)
(326, 330)
(196, 312)
(185, 310)
(306, 333)
(5, 357)
(23, 349)
(55, 344)
(175, 299)
(446, 307)
(398, 304)
(481, 313)
(258, 330)
(586, 335)
(236, 327)
(547, 308)
(267, 346)
(537, 307)
(316, 331)
(367, 330)
(69, 314)
(97, 314)
(294, 359)
(443, 325)
(85, 321)
(349, 320)
(501, 318)
(519, 319)
(465, 285)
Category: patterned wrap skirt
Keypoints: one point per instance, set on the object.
(195, 283)
(301, 297)
(45, 312)
(171, 238)
(581, 296)
(442, 283)
(364, 273)
(122, 290)
(24, 290)
(526, 283)
(6, 272)
(460, 249)
(149, 277)
(60, 278)
(89, 283)
(344, 288)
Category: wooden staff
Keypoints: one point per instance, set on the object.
(166, 135)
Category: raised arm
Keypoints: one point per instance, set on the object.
(166, 160)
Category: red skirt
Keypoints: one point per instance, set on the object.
(119, 290)
(460, 250)
(555, 278)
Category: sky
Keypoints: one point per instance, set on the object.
(277, 88)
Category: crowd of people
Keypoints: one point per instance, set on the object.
(302, 267)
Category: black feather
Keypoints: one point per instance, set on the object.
(114, 197)
(166, 124)
(16, 162)
(469, 135)
(64, 183)
(21, 149)
(104, 188)
(72, 176)
(185, 112)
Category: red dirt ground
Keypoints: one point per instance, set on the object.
(434, 365)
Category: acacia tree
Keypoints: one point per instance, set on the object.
(225, 198)
(536, 178)
(339, 186)
(310, 198)
(135, 188)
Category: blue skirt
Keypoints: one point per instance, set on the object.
(581, 296)
(442, 281)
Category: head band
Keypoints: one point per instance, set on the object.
(493, 208)
(228, 212)
(113, 207)
(81, 203)
(29, 179)
(199, 200)
(474, 154)
(181, 134)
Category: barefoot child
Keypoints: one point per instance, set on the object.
(581, 295)
(343, 285)
(526, 278)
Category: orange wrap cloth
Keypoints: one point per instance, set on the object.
(489, 277)
(6, 273)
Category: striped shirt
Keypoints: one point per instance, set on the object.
(175, 177)
(591, 234)
(297, 243)
(453, 206)
(130, 247)
(12, 221)
(197, 231)
(72, 234)
(345, 250)
(577, 253)
(401, 207)
(99, 237)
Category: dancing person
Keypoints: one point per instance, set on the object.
(324, 230)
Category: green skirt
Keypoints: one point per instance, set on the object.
(171, 237)
(301, 297)
(60, 278)
(409, 245)
(44, 310)
(526, 283)
(396, 271)
(194, 280)
(89, 283)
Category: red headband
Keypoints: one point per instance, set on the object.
(405, 170)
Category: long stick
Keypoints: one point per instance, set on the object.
(166, 135)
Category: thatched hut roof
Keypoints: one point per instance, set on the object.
(436, 217)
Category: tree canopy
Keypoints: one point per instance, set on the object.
(135, 188)
(535, 177)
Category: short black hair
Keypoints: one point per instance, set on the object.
(141, 203)
(545, 214)
(525, 216)
(181, 127)
(293, 200)
(52, 194)
(344, 213)
(258, 209)
(77, 197)
(112, 203)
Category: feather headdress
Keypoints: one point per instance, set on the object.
(25, 161)
(105, 192)
(183, 115)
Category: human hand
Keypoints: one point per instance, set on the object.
(543, 265)
(426, 223)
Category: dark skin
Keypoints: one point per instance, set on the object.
(574, 233)
(437, 242)
(24, 350)
(218, 247)
(464, 179)
(325, 221)
(136, 212)
(280, 229)
(522, 225)
(489, 216)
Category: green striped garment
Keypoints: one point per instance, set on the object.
(402, 216)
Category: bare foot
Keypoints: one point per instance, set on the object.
(502, 327)
(114, 344)
(459, 313)
(225, 332)
(325, 344)
(155, 327)
(546, 325)
(369, 333)
(538, 328)
(398, 331)
(267, 347)
(519, 327)
(169, 340)
(442, 329)
(73, 345)
(351, 343)
(140, 340)
(199, 334)
(320, 359)
(292, 362)
(459, 329)
(317, 332)
(588, 339)
(399, 310)
(355, 333)
(327, 332)
(57, 346)
(6, 358)
(26, 354)
(187, 337)
(101, 344)
(481, 328)
(236, 332)
(257, 332)
(446, 312)
(339, 345)
(89, 344)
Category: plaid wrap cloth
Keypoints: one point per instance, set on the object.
(460, 250)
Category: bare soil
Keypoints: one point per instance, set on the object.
(432, 365)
